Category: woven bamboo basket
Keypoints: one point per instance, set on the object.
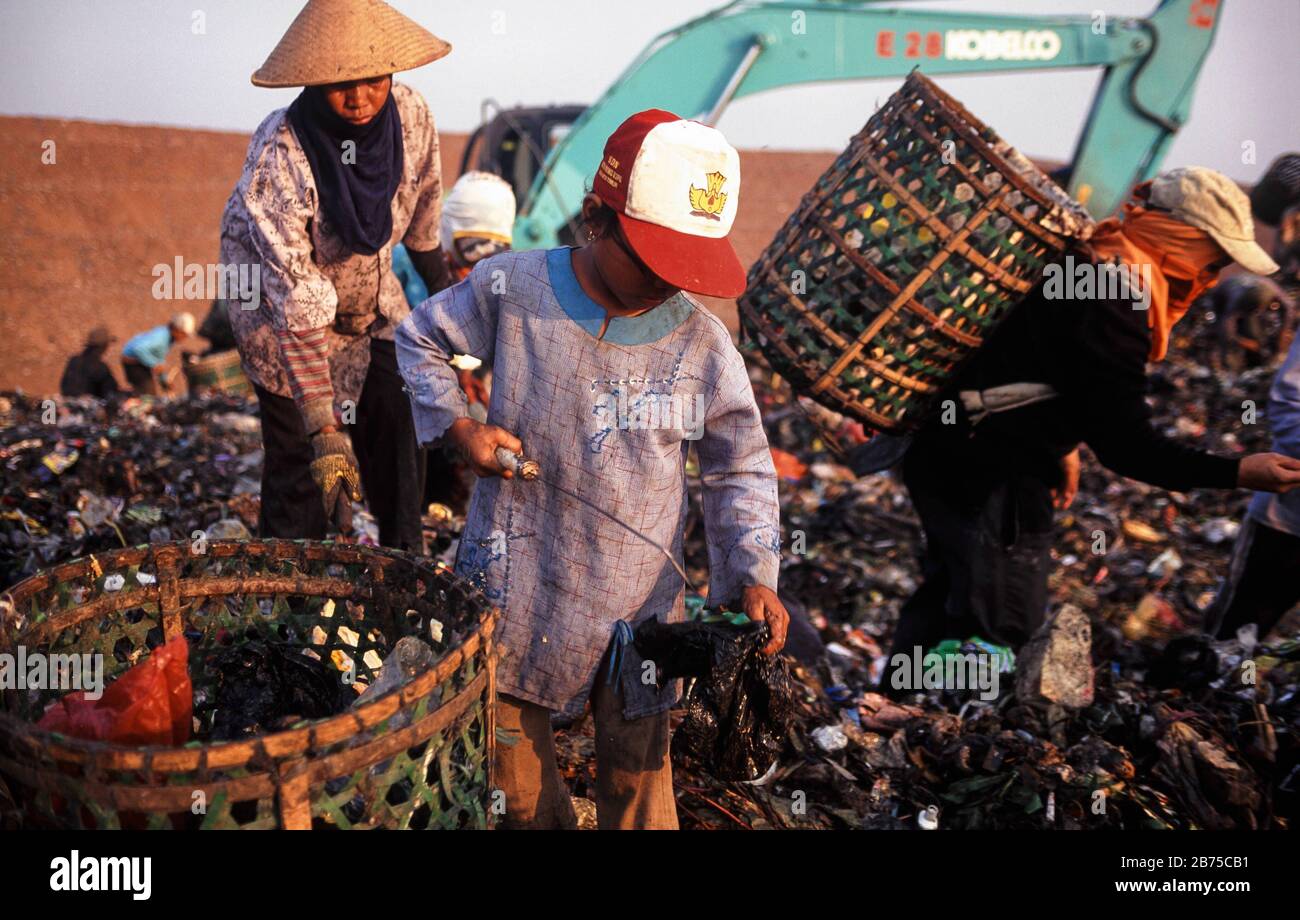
(359, 769)
(220, 372)
(902, 259)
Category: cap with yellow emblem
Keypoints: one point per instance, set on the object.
(675, 184)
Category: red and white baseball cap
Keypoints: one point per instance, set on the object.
(676, 186)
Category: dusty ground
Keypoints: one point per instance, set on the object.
(85, 232)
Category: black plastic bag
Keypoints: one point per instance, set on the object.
(739, 702)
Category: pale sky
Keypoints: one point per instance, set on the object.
(138, 61)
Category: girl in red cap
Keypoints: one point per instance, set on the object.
(605, 371)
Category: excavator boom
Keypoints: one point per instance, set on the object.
(1150, 69)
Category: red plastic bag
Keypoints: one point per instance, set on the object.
(152, 703)
(788, 466)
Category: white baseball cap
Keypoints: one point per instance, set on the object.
(675, 184)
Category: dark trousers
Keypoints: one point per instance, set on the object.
(986, 562)
(1262, 584)
(447, 480)
(383, 439)
(140, 378)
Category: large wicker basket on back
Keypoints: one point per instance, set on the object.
(418, 756)
(902, 258)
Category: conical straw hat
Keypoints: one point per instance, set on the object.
(332, 41)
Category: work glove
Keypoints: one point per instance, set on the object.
(335, 473)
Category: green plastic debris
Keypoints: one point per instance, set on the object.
(698, 611)
(951, 648)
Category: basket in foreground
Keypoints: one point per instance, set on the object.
(417, 757)
(902, 259)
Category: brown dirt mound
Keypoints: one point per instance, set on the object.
(85, 232)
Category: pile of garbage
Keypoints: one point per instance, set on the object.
(83, 476)
(1120, 715)
(1140, 755)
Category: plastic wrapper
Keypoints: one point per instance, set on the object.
(150, 704)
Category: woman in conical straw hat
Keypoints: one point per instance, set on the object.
(330, 185)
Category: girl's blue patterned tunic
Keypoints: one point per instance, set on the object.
(612, 420)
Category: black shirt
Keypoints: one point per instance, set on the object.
(1094, 353)
(86, 374)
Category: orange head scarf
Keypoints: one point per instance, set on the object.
(1177, 256)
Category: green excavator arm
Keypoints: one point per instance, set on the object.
(749, 46)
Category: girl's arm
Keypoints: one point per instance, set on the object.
(460, 320)
(742, 518)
